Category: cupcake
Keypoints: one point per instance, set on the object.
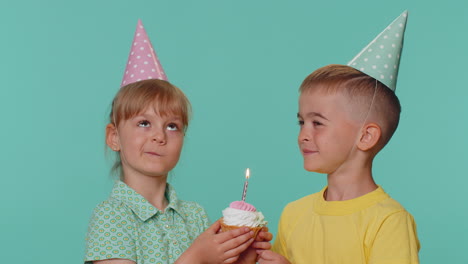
(241, 214)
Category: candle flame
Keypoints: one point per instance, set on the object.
(247, 173)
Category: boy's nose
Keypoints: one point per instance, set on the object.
(303, 136)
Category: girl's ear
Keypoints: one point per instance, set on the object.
(370, 136)
(112, 137)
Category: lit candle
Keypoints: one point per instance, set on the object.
(246, 183)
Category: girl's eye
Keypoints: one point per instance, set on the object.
(172, 127)
(144, 123)
(300, 122)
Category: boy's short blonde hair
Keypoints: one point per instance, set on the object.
(134, 98)
(359, 88)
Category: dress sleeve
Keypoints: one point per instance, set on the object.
(204, 218)
(200, 221)
(279, 246)
(110, 235)
(396, 241)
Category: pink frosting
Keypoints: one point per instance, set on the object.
(242, 206)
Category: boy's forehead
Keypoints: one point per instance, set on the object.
(325, 88)
(318, 97)
(324, 103)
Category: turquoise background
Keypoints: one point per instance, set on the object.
(240, 63)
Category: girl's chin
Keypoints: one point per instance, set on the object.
(155, 173)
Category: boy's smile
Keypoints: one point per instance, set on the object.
(327, 133)
(306, 151)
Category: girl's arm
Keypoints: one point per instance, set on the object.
(214, 247)
(114, 261)
(209, 247)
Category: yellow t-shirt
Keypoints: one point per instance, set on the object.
(372, 228)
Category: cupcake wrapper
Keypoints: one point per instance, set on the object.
(225, 228)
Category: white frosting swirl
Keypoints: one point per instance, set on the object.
(236, 217)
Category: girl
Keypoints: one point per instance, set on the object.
(143, 221)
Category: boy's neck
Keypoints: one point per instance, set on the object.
(349, 183)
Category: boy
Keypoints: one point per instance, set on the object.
(347, 115)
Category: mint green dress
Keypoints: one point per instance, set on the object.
(127, 226)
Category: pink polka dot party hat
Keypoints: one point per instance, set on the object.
(143, 62)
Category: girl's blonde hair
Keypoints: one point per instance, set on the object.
(132, 99)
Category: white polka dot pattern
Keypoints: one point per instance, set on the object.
(126, 226)
(143, 62)
(384, 50)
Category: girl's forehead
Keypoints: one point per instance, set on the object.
(154, 110)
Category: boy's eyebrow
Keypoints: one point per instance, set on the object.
(313, 114)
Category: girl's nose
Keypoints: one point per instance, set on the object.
(159, 137)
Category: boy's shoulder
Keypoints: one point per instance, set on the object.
(303, 201)
(388, 206)
(377, 202)
(300, 204)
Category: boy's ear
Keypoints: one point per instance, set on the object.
(370, 136)
(112, 138)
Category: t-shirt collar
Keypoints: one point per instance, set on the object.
(139, 205)
(347, 207)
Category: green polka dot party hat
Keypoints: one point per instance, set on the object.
(380, 59)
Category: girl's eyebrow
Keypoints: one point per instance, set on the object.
(140, 116)
(313, 114)
(167, 117)
(173, 118)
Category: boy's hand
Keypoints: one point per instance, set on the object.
(262, 242)
(213, 247)
(270, 257)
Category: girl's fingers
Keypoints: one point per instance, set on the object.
(234, 234)
(214, 228)
(231, 260)
(236, 251)
(237, 241)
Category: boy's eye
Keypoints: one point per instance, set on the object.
(172, 127)
(300, 122)
(316, 123)
(144, 123)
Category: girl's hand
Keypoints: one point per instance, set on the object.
(213, 247)
(262, 242)
(270, 257)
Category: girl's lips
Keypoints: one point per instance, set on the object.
(152, 153)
